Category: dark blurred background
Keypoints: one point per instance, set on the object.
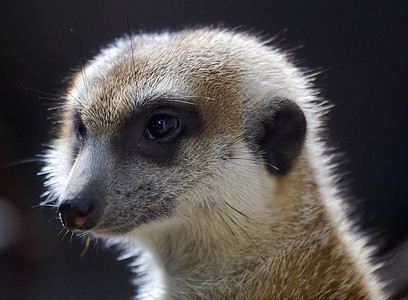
(361, 47)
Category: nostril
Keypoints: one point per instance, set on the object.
(87, 210)
(81, 217)
(77, 214)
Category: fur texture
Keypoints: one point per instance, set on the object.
(241, 203)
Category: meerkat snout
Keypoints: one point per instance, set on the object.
(79, 213)
(201, 153)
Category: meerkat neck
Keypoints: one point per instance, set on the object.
(210, 246)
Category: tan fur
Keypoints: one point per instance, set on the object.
(236, 231)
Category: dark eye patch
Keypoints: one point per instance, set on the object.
(80, 130)
(79, 133)
(156, 132)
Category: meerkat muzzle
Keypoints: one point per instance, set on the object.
(78, 214)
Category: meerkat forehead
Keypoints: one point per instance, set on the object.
(193, 66)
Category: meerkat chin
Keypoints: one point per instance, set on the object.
(200, 151)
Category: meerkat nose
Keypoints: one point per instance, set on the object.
(78, 214)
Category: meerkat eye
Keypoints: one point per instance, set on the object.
(161, 126)
(80, 130)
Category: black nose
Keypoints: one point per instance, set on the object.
(79, 213)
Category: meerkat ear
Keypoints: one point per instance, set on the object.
(281, 135)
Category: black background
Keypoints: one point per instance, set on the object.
(361, 47)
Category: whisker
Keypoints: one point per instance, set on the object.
(96, 245)
(130, 38)
(61, 230)
(53, 218)
(82, 60)
(71, 238)
(238, 211)
(88, 240)
(181, 101)
(55, 96)
(225, 222)
(24, 161)
(400, 271)
(44, 205)
(66, 232)
(201, 97)
(252, 241)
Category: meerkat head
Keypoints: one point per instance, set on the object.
(163, 126)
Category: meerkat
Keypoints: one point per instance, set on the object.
(200, 152)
